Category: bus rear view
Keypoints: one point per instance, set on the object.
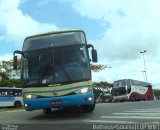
(56, 71)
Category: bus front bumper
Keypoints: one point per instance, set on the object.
(59, 102)
(120, 98)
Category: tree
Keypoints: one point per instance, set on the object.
(98, 67)
(103, 84)
(7, 73)
(100, 87)
(156, 93)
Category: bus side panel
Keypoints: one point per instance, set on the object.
(6, 101)
(140, 93)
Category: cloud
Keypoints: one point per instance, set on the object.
(16, 25)
(6, 57)
(133, 27)
(128, 70)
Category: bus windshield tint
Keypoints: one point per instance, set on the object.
(55, 65)
(120, 83)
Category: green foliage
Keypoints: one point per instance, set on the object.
(156, 92)
(6, 69)
(10, 83)
(97, 67)
(6, 73)
(103, 84)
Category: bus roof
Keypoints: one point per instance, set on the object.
(54, 39)
(9, 88)
(54, 32)
(133, 80)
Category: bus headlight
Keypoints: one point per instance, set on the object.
(83, 90)
(29, 96)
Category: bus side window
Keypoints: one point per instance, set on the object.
(17, 92)
(123, 83)
(4, 93)
(10, 93)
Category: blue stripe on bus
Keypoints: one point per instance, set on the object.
(7, 98)
(57, 90)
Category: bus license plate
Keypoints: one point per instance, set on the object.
(56, 102)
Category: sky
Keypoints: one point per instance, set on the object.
(119, 30)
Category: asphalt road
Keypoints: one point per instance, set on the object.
(131, 115)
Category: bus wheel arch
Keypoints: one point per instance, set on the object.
(88, 108)
(148, 97)
(133, 98)
(17, 104)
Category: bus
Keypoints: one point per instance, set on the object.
(11, 97)
(55, 71)
(132, 90)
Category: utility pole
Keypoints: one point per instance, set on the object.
(145, 70)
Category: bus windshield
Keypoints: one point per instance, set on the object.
(58, 65)
(120, 83)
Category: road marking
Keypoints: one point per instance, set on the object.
(140, 114)
(146, 111)
(4, 116)
(109, 121)
(130, 117)
(97, 104)
(153, 109)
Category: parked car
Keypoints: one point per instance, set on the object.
(108, 98)
(104, 98)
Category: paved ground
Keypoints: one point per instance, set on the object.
(131, 115)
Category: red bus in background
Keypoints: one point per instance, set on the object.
(132, 90)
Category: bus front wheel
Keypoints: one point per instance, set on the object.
(89, 108)
(17, 104)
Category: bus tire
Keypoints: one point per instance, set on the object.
(47, 111)
(133, 98)
(147, 98)
(88, 108)
(17, 104)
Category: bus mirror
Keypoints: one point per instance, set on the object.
(94, 55)
(18, 52)
(15, 62)
(15, 58)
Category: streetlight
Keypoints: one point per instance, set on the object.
(144, 64)
(143, 74)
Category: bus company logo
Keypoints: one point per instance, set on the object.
(54, 93)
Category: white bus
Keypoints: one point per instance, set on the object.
(129, 89)
(11, 97)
